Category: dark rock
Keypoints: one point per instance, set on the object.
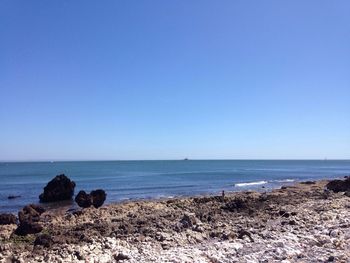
(331, 258)
(28, 227)
(283, 223)
(14, 259)
(58, 189)
(7, 219)
(214, 234)
(13, 196)
(98, 197)
(29, 218)
(308, 182)
(228, 236)
(78, 255)
(339, 185)
(283, 213)
(165, 246)
(44, 240)
(159, 237)
(207, 199)
(242, 233)
(37, 208)
(83, 199)
(347, 193)
(235, 205)
(292, 222)
(188, 220)
(95, 198)
(120, 256)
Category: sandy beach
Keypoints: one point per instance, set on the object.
(299, 223)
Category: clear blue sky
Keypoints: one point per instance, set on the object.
(173, 79)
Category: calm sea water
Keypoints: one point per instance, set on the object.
(125, 180)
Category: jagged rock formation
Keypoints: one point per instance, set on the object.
(58, 189)
(29, 218)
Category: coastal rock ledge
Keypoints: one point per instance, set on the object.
(297, 224)
(58, 189)
(339, 185)
(7, 219)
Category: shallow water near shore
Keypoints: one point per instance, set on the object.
(125, 180)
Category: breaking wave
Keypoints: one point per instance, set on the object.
(250, 183)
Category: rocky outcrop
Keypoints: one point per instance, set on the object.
(7, 219)
(83, 199)
(96, 198)
(58, 189)
(44, 240)
(339, 185)
(291, 225)
(236, 204)
(29, 218)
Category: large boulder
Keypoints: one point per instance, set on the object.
(7, 219)
(83, 199)
(98, 197)
(339, 185)
(95, 198)
(29, 218)
(58, 189)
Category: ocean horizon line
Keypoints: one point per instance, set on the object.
(175, 160)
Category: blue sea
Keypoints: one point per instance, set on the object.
(128, 180)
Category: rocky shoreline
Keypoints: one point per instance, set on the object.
(300, 223)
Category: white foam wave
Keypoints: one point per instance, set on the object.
(250, 183)
(285, 181)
